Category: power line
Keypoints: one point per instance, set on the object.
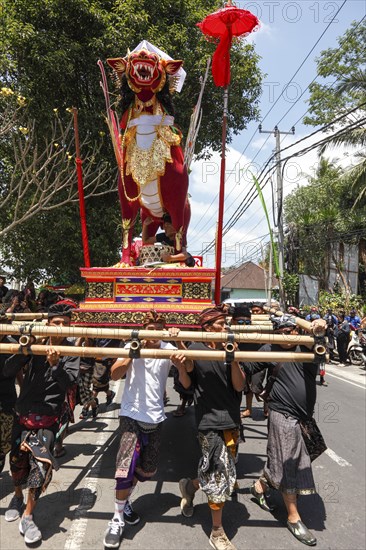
(346, 128)
(244, 205)
(274, 104)
(306, 58)
(321, 129)
(308, 86)
(287, 185)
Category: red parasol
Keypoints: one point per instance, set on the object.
(222, 25)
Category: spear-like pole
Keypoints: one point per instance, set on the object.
(220, 220)
(79, 171)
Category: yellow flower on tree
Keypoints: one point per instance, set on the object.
(6, 91)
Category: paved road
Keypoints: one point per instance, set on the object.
(78, 504)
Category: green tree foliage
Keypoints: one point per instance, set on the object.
(355, 137)
(343, 68)
(291, 287)
(337, 300)
(49, 50)
(49, 245)
(319, 215)
(328, 99)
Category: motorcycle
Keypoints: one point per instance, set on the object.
(362, 338)
(356, 350)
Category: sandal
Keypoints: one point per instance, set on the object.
(261, 499)
(246, 414)
(84, 414)
(179, 412)
(59, 453)
(302, 533)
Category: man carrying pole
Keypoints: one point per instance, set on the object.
(38, 409)
(217, 395)
(141, 419)
(293, 437)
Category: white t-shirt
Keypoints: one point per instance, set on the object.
(143, 395)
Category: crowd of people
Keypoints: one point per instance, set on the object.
(35, 417)
(339, 329)
(27, 300)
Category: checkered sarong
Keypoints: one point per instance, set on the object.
(85, 387)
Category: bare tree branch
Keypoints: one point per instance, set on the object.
(42, 177)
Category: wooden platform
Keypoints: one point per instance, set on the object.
(121, 296)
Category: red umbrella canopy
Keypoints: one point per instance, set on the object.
(223, 25)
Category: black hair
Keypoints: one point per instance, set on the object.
(241, 311)
(59, 310)
(257, 304)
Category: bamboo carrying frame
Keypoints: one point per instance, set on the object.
(240, 334)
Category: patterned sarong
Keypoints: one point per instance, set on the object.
(6, 427)
(85, 387)
(216, 468)
(31, 458)
(138, 451)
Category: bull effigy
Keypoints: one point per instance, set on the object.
(152, 181)
(152, 174)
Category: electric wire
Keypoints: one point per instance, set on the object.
(274, 104)
(244, 205)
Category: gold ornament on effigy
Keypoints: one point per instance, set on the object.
(126, 226)
(146, 165)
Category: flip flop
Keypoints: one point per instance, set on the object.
(245, 414)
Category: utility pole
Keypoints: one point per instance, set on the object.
(279, 203)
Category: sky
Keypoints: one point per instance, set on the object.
(288, 32)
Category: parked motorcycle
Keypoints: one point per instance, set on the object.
(356, 350)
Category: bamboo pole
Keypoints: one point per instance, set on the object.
(302, 323)
(273, 311)
(26, 316)
(79, 351)
(127, 334)
(30, 316)
(260, 317)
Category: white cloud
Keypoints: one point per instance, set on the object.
(246, 236)
(264, 30)
(262, 143)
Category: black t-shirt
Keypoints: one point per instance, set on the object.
(249, 346)
(294, 388)
(44, 387)
(217, 403)
(3, 291)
